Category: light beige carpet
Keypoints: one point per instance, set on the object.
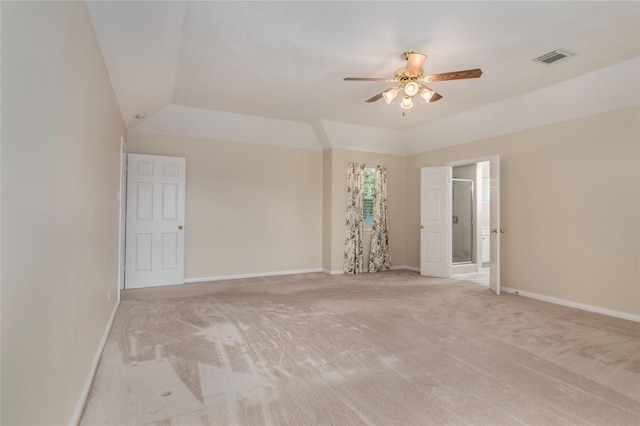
(389, 348)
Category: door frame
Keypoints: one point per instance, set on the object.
(478, 202)
(490, 158)
(155, 226)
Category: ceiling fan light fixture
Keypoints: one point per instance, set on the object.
(390, 94)
(411, 88)
(406, 103)
(425, 93)
(409, 79)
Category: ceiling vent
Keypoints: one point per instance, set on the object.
(553, 56)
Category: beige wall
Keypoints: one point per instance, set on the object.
(282, 208)
(396, 211)
(260, 201)
(570, 206)
(61, 130)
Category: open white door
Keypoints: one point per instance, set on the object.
(435, 218)
(494, 224)
(155, 221)
(122, 198)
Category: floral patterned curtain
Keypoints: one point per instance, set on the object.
(353, 257)
(380, 254)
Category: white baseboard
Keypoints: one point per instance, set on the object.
(393, 268)
(570, 304)
(94, 367)
(335, 272)
(252, 275)
(290, 272)
(410, 268)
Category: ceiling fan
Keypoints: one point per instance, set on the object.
(409, 80)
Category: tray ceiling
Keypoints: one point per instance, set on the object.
(287, 60)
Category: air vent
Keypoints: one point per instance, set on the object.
(553, 56)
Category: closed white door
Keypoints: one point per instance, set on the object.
(435, 218)
(155, 221)
(494, 224)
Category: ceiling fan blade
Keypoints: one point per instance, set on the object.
(366, 79)
(415, 61)
(454, 75)
(375, 98)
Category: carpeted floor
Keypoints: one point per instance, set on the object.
(390, 348)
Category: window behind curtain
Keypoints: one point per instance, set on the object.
(367, 199)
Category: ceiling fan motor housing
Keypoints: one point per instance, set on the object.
(401, 75)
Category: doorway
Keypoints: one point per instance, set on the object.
(470, 222)
(155, 221)
(436, 251)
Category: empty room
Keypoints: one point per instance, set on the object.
(310, 212)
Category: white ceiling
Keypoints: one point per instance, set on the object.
(272, 72)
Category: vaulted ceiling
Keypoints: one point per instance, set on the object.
(272, 72)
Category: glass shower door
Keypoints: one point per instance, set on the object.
(462, 221)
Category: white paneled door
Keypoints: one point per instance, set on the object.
(155, 221)
(435, 221)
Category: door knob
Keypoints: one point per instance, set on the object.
(421, 226)
(494, 231)
(502, 231)
(180, 226)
